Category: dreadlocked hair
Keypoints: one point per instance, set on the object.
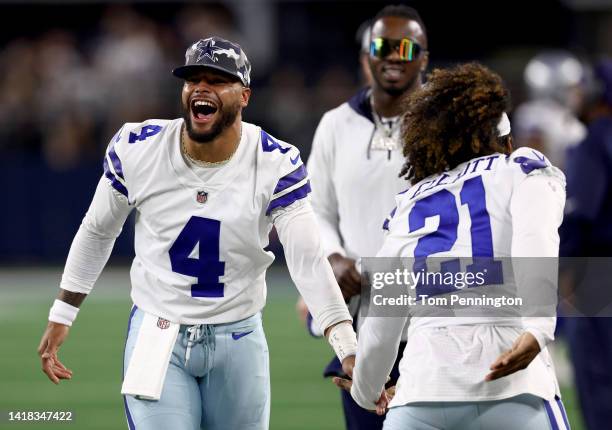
(452, 119)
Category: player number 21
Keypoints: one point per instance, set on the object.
(204, 233)
(443, 204)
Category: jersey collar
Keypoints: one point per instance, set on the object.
(360, 103)
(225, 173)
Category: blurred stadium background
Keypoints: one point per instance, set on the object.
(72, 73)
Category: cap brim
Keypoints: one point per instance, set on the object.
(185, 72)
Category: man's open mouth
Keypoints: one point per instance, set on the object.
(392, 72)
(203, 110)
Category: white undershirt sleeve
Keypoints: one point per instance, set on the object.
(94, 241)
(323, 197)
(298, 232)
(537, 211)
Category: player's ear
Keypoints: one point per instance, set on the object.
(245, 96)
(424, 61)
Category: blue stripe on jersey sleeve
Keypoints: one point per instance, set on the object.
(529, 164)
(386, 224)
(113, 180)
(289, 198)
(115, 160)
(388, 219)
(292, 178)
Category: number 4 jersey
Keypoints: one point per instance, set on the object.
(200, 233)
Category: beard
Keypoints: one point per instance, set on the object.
(227, 116)
(393, 90)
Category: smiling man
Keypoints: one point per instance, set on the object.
(356, 159)
(207, 189)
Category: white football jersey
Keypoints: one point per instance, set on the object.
(199, 244)
(470, 202)
(476, 209)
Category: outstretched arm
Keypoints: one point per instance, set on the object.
(298, 232)
(88, 255)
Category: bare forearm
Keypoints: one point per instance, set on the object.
(70, 297)
(66, 307)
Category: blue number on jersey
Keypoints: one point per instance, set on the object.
(205, 233)
(443, 204)
(473, 195)
(269, 144)
(146, 132)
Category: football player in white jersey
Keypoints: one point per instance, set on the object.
(207, 189)
(470, 197)
(356, 154)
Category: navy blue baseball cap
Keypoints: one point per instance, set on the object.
(216, 53)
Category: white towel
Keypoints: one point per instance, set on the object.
(149, 362)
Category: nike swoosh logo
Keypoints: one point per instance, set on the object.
(238, 335)
(295, 160)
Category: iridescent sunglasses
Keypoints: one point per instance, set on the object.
(409, 50)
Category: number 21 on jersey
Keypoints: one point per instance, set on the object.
(443, 204)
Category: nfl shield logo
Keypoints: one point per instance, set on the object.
(162, 323)
(202, 196)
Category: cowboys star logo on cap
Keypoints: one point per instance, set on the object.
(213, 52)
(216, 53)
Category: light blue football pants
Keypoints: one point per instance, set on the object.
(524, 412)
(218, 379)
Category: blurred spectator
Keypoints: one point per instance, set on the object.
(18, 98)
(129, 66)
(63, 96)
(363, 40)
(69, 140)
(198, 22)
(587, 232)
(336, 83)
(291, 101)
(64, 106)
(547, 122)
(586, 227)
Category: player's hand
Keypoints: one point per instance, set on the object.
(381, 403)
(348, 364)
(523, 351)
(302, 310)
(346, 274)
(52, 339)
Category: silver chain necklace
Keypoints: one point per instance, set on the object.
(386, 134)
